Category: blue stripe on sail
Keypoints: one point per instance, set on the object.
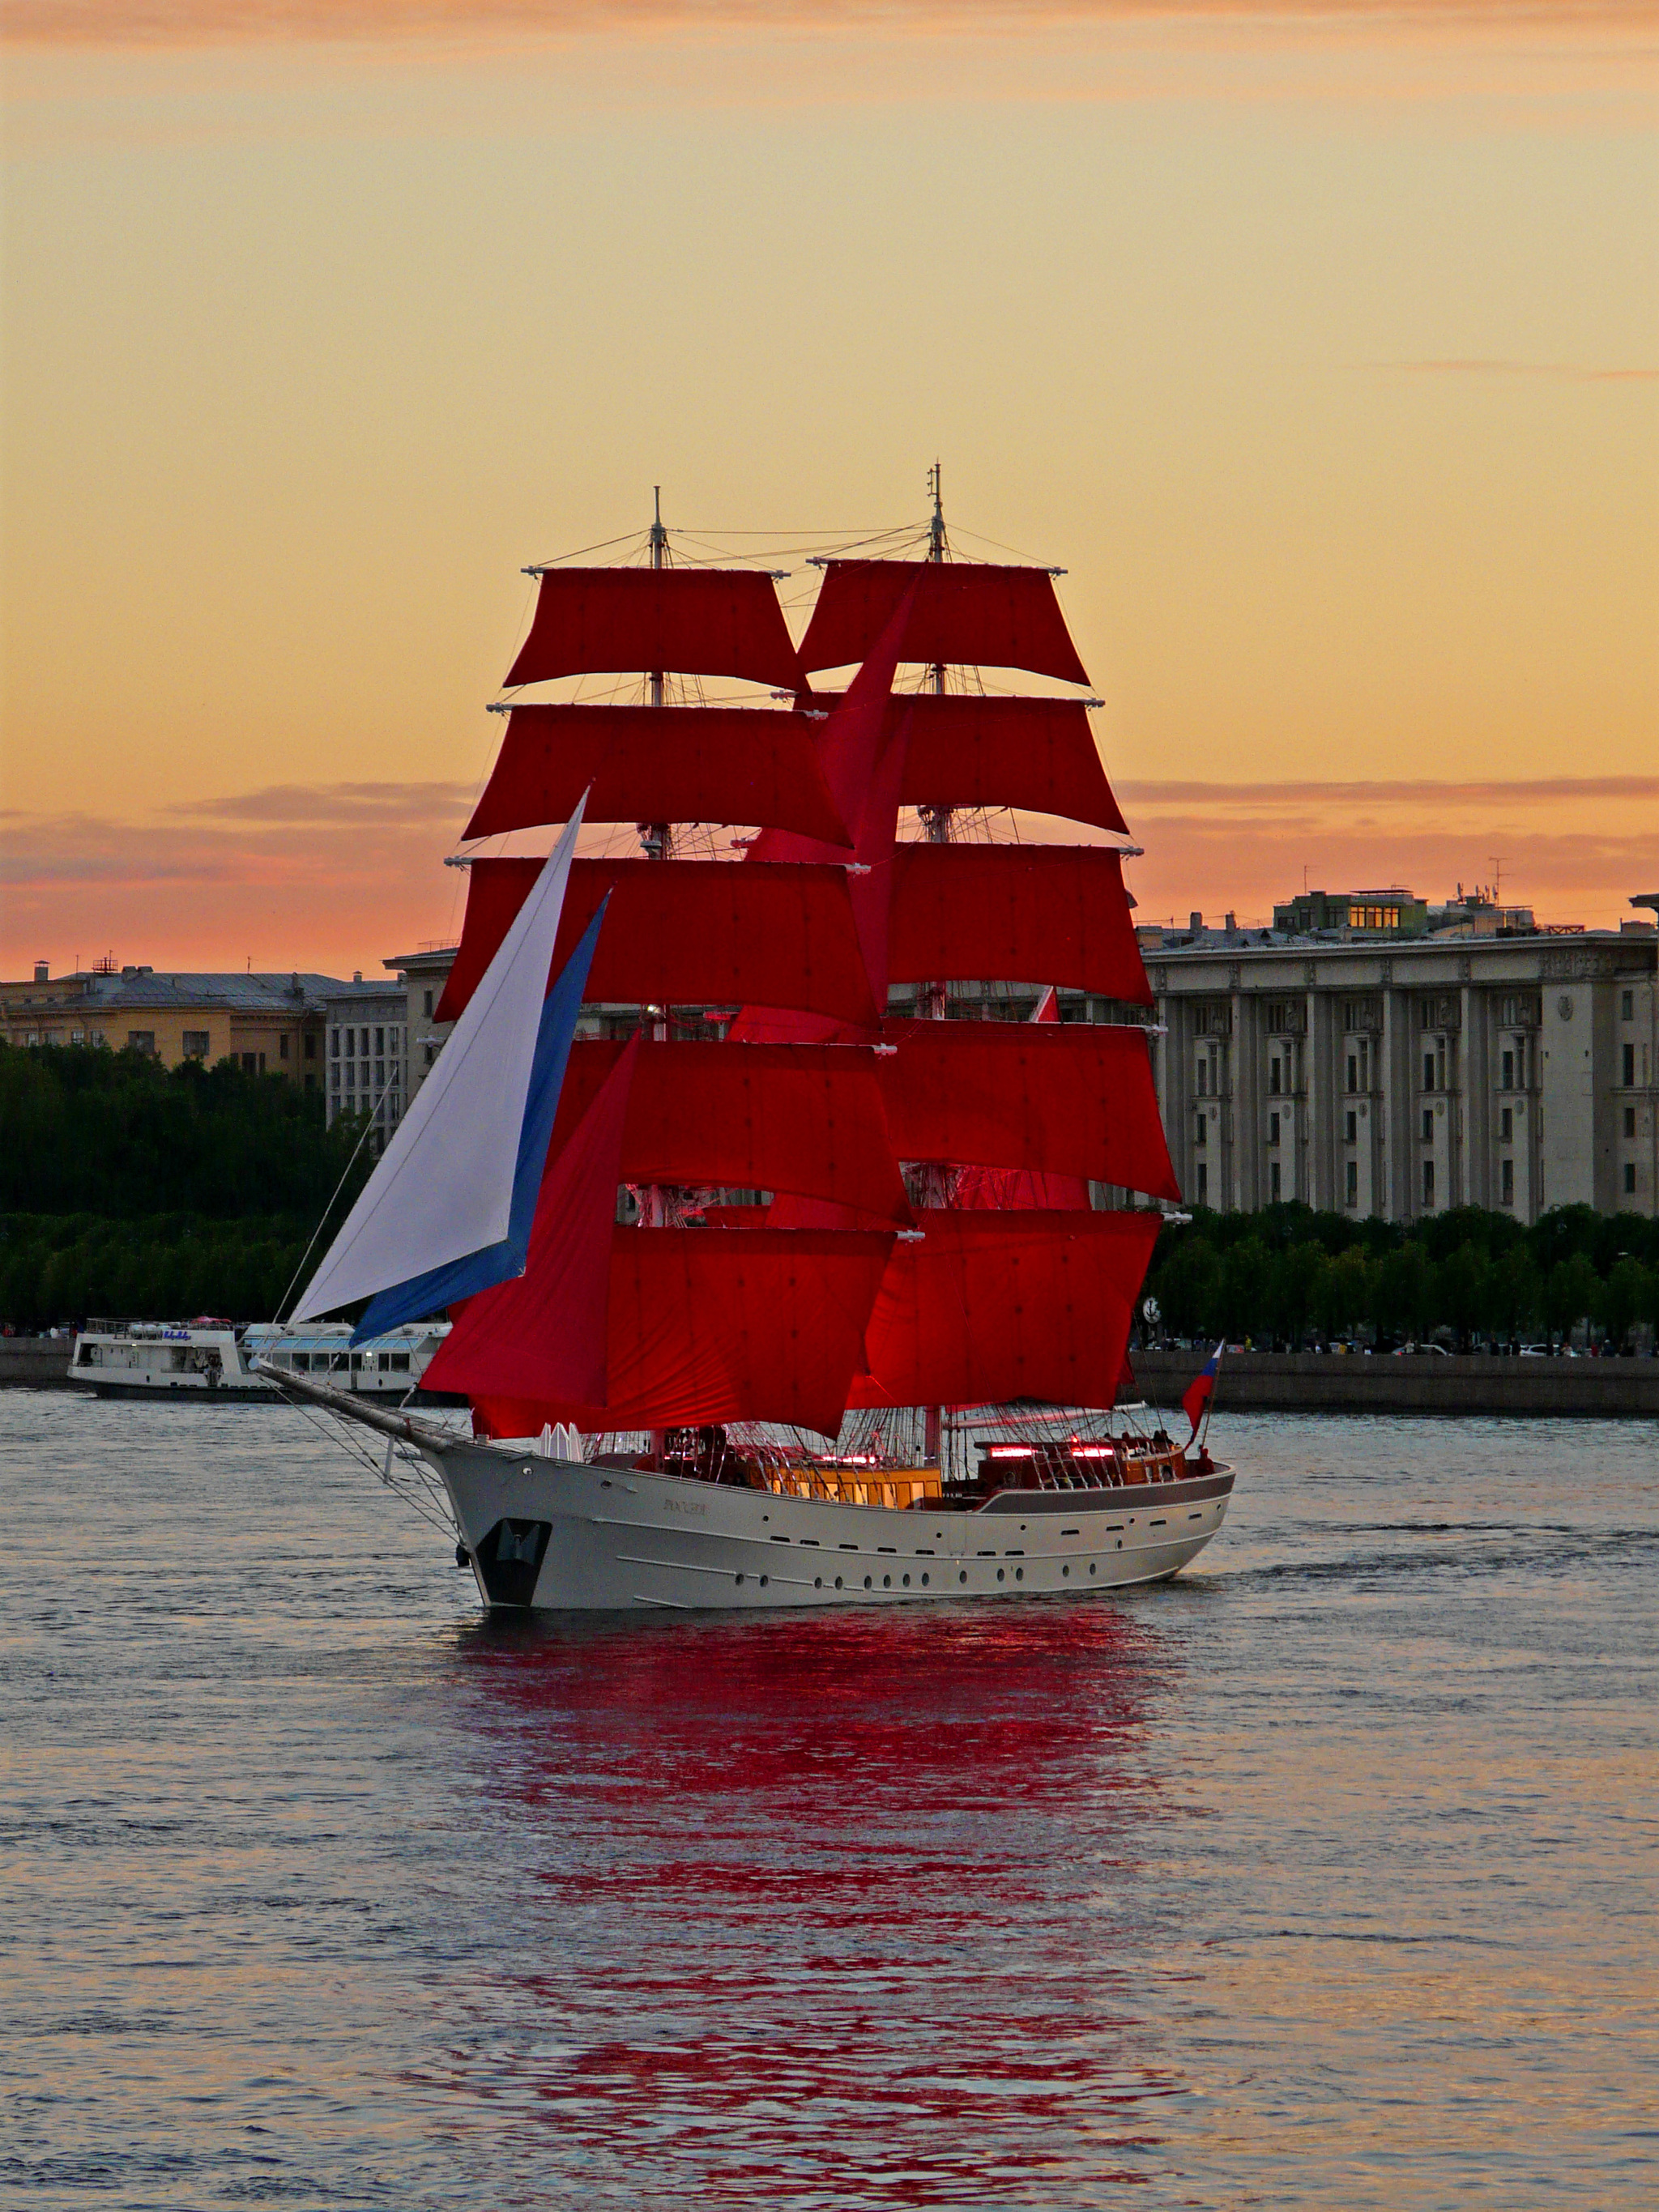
(420, 1295)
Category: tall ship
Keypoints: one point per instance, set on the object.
(758, 1173)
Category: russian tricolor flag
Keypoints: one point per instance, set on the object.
(1201, 1389)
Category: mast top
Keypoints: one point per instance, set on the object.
(658, 535)
(936, 540)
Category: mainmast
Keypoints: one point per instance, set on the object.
(657, 837)
(935, 1179)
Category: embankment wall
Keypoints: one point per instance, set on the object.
(1359, 1382)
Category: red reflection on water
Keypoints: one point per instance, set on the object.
(853, 1910)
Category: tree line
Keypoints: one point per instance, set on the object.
(128, 1189)
(117, 1134)
(1291, 1278)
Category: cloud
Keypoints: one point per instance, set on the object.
(157, 23)
(420, 804)
(1556, 370)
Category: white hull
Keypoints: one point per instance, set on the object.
(558, 1535)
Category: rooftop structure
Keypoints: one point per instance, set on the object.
(269, 1024)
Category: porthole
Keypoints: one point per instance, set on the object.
(906, 1582)
(817, 1581)
(1066, 1571)
(1120, 1543)
(1019, 1575)
(924, 1582)
(1091, 1566)
(998, 1574)
(866, 1582)
(739, 1582)
(837, 1582)
(887, 1582)
(962, 1575)
(764, 1580)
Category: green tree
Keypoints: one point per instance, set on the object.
(1572, 1292)
(1465, 1299)
(1298, 1279)
(1246, 1290)
(1186, 1285)
(1346, 1293)
(1625, 1299)
(1403, 1293)
(1516, 1295)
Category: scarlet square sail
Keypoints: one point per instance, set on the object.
(684, 932)
(659, 764)
(1002, 617)
(698, 621)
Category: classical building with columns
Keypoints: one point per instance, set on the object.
(1403, 1078)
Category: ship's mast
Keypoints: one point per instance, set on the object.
(930, 998)
(657, 838)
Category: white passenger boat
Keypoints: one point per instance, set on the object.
(208, 1358)
(862, 1339)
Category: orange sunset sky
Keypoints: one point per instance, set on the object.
(1319, 346)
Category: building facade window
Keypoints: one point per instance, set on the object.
(1506, 1182)
(1628, 1005)
(1428, 1125)
(1275, 1073)
(1353, 1182)
(311, 1046)
(426, 1003)
(1506, 1125)
(1353, 1071)
(1203, 1129)
(334, 1076)
(1508, 1082)
(1630, 1178)
(1627, 1066)
(196, 1044)
(1203, 1184)
(1428, 1184)
(281, 1046)
(1273, 1128)
(1273, 1183)
(1428, 1071)
(137, 1041)
(1630, 1120)
(334, 1044)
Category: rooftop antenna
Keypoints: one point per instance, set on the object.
(1497, 860)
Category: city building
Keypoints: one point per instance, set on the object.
(1402, 1078)
(270, 1025)
(420, 977)
(367, 1055)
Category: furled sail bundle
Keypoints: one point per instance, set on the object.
(902, 1199)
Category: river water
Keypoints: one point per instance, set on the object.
(1325, 1875)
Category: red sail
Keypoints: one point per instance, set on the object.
(998, 617)
(659, 764)
(704, 1325)
(683, 932)
(967, 750)
(863, 755)
(695, 622)
(1030, 913)
(1072, 1099)
(992, 1307)
(559, 1303)
(804, 1118)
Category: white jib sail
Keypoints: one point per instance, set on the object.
(443, 1186)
